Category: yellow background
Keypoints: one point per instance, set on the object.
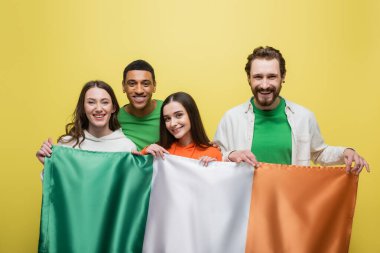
(49, 49)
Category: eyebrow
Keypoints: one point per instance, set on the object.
(268, 74)
(173, 113)
(134, 80)
(90, 98)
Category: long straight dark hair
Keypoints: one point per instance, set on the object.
(197, 130)
(79, 123)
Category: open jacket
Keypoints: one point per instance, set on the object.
(236, 130)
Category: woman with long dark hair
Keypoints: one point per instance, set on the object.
(94, 125)
(182, 132)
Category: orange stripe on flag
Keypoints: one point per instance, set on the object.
(299, 209)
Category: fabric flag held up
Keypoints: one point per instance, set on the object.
(117, 202)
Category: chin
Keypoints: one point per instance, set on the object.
(265, 103)
(178, 136)
(140, 106)
(100, 125)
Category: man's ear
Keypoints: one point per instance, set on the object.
(154, 87)
(122, 86)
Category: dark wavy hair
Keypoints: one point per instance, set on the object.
(197, 130)
(80, 121)
(267, 53)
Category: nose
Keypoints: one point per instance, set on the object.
(173, 122)
(265, 83)
(98, 107)
(139, 89)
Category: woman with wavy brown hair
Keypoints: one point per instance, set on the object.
(94, 123)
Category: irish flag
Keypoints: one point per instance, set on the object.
(99, 202)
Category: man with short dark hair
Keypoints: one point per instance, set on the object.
(140, 118)
(269, 128)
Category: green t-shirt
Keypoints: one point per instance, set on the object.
(143, 131)
(272, 139)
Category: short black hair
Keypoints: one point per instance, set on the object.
(139, 65)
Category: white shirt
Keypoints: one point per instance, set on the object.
(114, 142)
(236, 130)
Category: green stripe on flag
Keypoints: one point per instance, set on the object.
(94, 201)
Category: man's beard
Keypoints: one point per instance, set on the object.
(266, 101)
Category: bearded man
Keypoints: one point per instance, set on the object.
(269, 128)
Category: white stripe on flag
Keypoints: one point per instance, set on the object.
(198, 209)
